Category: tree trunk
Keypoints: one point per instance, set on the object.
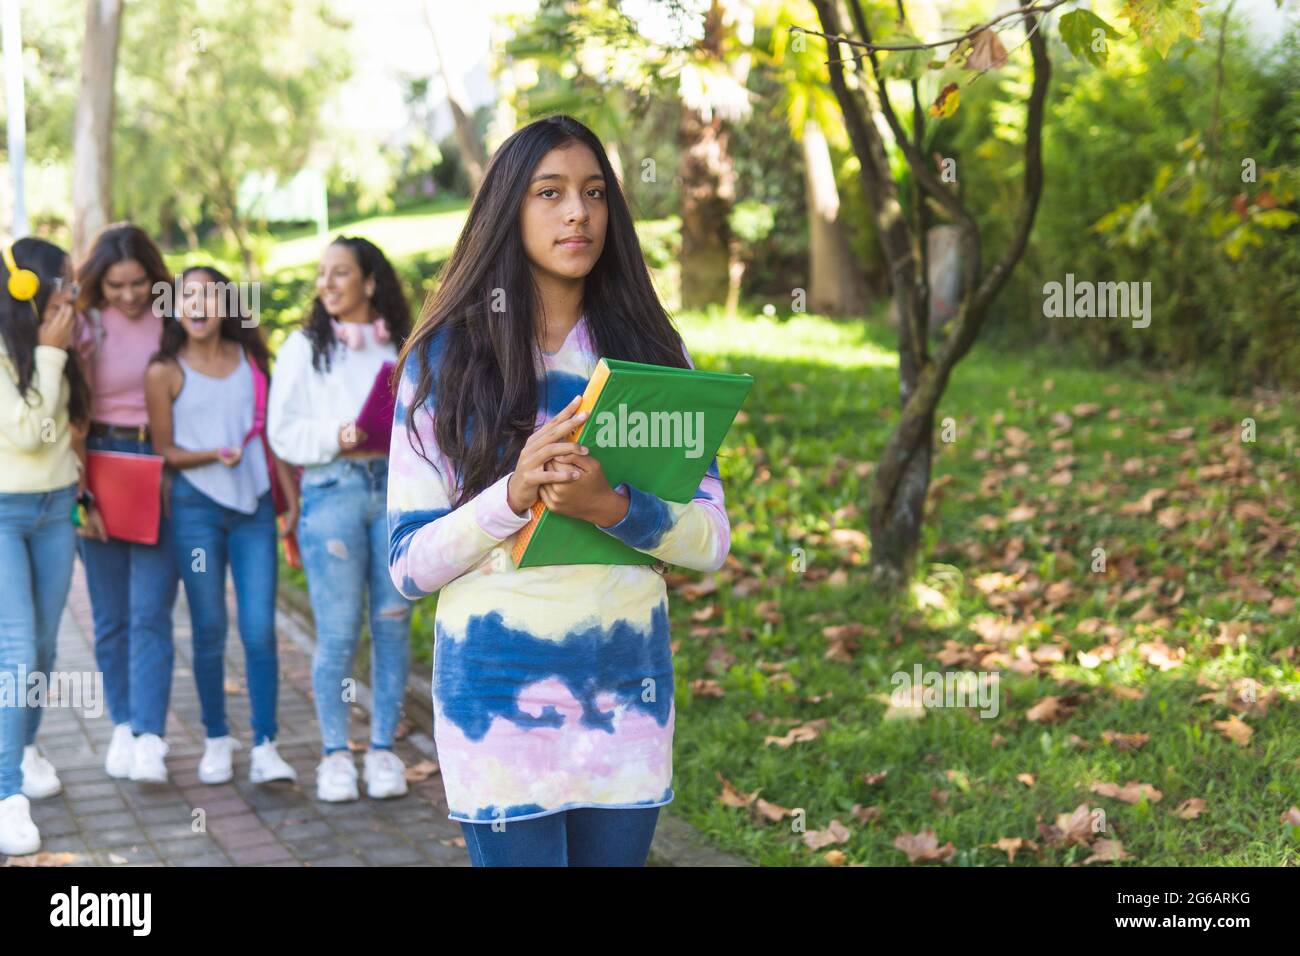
(708, 194)
(92, 137)
(836, 285)
(15, 103)
(707, 175)
(616, 161)
(191, 234)
(472, 154)
(902, 475)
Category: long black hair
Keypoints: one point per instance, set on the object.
(233, 325)
(18, 323)
(487, 374)
(389, 301)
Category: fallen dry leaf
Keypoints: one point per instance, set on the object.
(1121, 741)
(1131, 792)
(1190, 809)
(1012, 845)
(1107, 851)
(770, 811)
(835, 832)
(731, 797)
(1235, 729)
(924, 847)
(1075, 828)
(865, 814)
(800, 734)
(1048, 710)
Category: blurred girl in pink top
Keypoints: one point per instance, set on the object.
(132, 586)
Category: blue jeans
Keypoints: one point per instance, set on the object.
(132, 590)
(343, 535)
(37, 544)
(589, 836)
(205, 537)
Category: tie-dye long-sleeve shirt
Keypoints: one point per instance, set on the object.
(552, 686)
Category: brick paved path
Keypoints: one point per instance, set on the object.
(101, 821)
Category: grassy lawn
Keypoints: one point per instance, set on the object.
(1136, 674)
(428, 231)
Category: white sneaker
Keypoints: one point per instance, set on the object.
(217, 765)
(336, 778)
(385, 775)
(18, 835)
(120, 751)
(268, 765)
(147, 761)
(40, 780)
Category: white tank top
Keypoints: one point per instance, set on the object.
(217, 413)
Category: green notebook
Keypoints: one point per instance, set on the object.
(655, 427)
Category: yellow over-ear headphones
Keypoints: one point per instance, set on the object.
(23, 283)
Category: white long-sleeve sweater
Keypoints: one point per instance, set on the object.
(35, 443)
(307, 407)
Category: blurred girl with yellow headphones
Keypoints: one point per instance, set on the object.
(43, 399)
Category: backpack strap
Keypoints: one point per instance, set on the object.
(259, 399)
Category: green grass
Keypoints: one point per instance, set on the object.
(823, 403)
(428, 231)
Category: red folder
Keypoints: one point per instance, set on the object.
(376, 418)
(127, 489)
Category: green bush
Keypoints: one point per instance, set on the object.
(1140, 187)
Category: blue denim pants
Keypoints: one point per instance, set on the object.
(589, 836)
(343, 535)
(132, 590)
(37, 545)
(205, 538)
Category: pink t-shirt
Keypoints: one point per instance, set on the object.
(117, 354)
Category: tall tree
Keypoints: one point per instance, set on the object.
(712, 88)
(902, 475)
(837, 285)
(219, 92)
(472, 155)
(16, 121)
(600, 64)
(92, 164)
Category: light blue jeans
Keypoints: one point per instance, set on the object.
(343, 535)
(37, 548)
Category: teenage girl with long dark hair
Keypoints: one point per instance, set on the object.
(43, 399)
(132, 586)
(207, 390)
(323, 374)
(552, 686)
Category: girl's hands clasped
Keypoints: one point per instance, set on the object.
(530, 473)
